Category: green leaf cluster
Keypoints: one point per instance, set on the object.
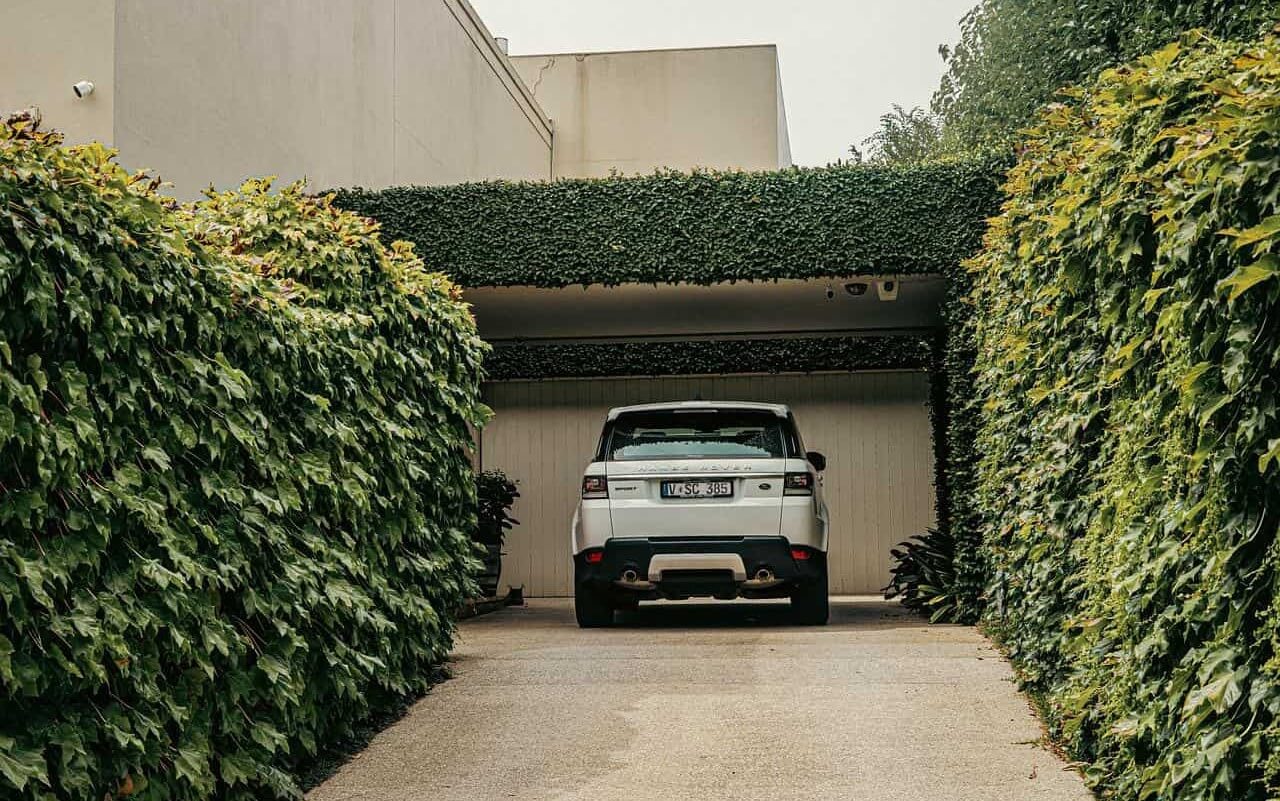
(235, 490)
(519, 360)
(1127, 385)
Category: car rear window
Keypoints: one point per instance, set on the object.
(732, 433)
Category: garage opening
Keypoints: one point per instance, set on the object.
(597, 347)
(873, 427)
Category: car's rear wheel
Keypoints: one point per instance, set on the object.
(592, 608)
(810, 604)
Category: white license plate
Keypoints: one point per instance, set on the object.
(697, 489)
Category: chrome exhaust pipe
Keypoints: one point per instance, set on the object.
(764, 574)
(630, 576)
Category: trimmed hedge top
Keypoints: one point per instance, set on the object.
(699, 228)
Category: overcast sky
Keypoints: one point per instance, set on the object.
(844, 62)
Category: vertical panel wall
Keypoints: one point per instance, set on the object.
(873, 428)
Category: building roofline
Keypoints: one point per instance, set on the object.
(763, 45)
(482, 37)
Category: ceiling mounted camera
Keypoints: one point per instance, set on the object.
(887, 288)
(856, 289)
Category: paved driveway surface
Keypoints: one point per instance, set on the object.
(714, 701)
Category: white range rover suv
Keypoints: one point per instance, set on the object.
(700, 499)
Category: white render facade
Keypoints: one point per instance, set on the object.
(373, 93)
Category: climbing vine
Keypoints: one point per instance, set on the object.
(1128, 355)
(235, 488)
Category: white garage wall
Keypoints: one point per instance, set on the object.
(873, 428)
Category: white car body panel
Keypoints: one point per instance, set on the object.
(758, 506)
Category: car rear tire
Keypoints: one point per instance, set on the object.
(810, 604)
(592, 608)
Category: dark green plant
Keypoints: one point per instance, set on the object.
(691, 357)
(923, 576)
(1128, 374)
(235, 489)
(496, 493)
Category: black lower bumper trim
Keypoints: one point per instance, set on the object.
(634, 554)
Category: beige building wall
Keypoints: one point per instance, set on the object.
(342, 92)
(372, 93)
(638, 111)
(46, 46)
(872, 427)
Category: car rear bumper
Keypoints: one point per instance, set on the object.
(721, 567)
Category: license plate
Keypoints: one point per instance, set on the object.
(697, 489)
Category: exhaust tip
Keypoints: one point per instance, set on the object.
(630, 576)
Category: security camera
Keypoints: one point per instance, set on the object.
(887, 288)
(83, 88)
(831, 293)
(856, 289)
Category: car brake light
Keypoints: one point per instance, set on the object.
(594, 557)
(801, 554)
(798, 484)
(595, 487)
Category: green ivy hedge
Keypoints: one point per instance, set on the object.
(520, 360)
(235, 493)
(1128, 376)
(699, 228)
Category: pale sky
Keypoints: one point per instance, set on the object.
(844, 62)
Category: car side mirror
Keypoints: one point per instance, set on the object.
(816, 459)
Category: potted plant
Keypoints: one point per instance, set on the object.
(495, 495)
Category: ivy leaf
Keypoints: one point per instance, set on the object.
(1248, 276)
(21, 766)
(156, 456)
(1192, 376)
(1263, 230)
(1272, 454)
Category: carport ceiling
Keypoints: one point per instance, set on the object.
(636, 310)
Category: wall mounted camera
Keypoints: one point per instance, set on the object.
(887, 288)
(83, 88)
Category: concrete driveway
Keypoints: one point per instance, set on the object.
(715, 701)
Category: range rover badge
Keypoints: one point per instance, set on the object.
(766, 487)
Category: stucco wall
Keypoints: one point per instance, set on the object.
(638, 111)
(48, 45)
(370, 93)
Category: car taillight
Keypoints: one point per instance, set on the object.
(798, 484)
(801, 554)
(595, 487)
(594, 557)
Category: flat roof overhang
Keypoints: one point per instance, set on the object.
(783, 308)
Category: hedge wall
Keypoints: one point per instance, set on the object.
(236, 496)
(1129, 371)
(699, 228)
(519, 360)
